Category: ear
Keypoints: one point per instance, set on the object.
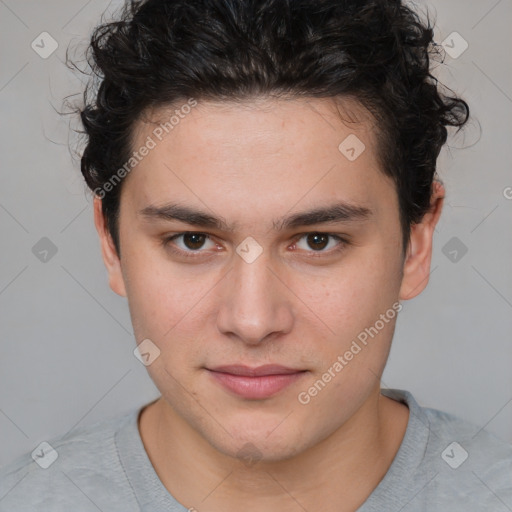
(108, 251)
(416, 270)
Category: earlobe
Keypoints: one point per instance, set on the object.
(108, 251)
(416, 270)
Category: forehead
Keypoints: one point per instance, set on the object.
(265, 155)
(296, 119)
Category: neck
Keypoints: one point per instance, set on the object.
(338, 473)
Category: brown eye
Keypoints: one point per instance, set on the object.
(189, 243)
(319, 244)
(318, 241)
(194, 241)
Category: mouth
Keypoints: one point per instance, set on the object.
(255, 383)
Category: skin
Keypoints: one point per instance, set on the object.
(251, 163)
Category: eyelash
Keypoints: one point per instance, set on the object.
(166, 243)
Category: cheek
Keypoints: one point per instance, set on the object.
(158, 296)
(350, 302)
(169, 304)
(353, 295)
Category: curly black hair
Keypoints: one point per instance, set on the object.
(161, 53)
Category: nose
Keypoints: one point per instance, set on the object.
(255, 303)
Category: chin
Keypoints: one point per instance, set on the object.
(264, 441)
(250, 451)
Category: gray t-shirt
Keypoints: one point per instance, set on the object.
(443, 464)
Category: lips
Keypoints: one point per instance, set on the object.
(247, 371)
(255, 383)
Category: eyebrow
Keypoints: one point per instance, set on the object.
(333, 213)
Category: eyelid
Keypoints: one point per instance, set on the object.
(167, 243)
(342, 243)
(168, 239)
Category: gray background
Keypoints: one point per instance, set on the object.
(66, 338)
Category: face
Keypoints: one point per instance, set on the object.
(264, 261)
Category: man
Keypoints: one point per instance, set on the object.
(265, 197)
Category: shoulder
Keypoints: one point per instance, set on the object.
(461, 442)
(445, 426)
(462, 464)
(80, 470)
